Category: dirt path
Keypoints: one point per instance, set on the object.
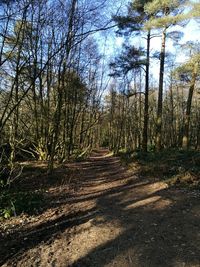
(112, 217)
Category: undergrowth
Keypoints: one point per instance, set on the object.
(14, 203)
(176, 167)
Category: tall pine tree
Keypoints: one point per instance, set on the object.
(164, 14)
(133, 23)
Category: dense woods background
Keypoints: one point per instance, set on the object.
(59, 99)
(51, 83)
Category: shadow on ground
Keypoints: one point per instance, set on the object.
(137, 223)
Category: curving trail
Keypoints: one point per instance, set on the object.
(112, 217)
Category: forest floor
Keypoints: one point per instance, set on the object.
(100, 213)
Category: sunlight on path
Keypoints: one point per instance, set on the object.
(117, 218)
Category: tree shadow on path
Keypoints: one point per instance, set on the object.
(156, 226)
(160, 226)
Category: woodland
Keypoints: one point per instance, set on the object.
(99, 141)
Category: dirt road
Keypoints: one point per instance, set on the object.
(111, 217)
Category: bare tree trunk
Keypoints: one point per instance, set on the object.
(185, 141)
(146, 100)
(160, 94)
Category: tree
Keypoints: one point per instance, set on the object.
(188, 72)
(164, 14)
(134, 23)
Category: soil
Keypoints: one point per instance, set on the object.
(99, 213)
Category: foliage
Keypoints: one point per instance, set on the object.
(14, 203)
(185, 70)
(165, 13)
(131, 59)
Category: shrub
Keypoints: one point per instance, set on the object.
(15, 203)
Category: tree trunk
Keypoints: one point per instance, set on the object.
(146, 100)
(185, 141)
(160, 94)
